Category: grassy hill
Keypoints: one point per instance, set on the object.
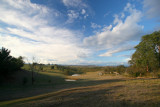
(89, 90)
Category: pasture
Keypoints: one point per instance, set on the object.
(89, 90)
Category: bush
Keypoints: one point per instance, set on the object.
(135, 71)
(158, 75)
(119, 69)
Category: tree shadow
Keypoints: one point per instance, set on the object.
(46, 84)
(89, 97)
(15, 88)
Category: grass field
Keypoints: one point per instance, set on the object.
(90, 90)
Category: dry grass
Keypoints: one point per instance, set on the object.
(99, 91)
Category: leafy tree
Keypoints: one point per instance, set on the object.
(147, 54)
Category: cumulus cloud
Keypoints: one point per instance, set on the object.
(105, 28)
(83, 11)
(152, 8)
(77, 9)
(120, 33)
(74, 3)
(27, 33)
(94, 25)
(122, 15)
(72, 15)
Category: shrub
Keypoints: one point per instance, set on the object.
(119, 69)
(135, 71)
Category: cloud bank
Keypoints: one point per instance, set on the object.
(116, 37)
(27, 32)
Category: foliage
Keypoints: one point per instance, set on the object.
(119, 69)
(147, 54)
(135, 71)
(67, 70)
(8, 63)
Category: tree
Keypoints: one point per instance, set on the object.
(147, 54)
(9, 64)
(5, 61)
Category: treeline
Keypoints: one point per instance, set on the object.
(121, 69)
(9, 64)
(67, 70)
(144, 61)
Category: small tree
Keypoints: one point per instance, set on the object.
(32, 67)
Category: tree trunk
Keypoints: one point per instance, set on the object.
(147, 67)
(32, 78)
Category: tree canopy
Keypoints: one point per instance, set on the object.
(147, 54)
(8, 63)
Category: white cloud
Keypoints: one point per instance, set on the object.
(127, 59)
(77, 9)
(85, 16)
(83, 11)
(72, 15)
(105, 28)
(106, 14)
(28, 33)
(94, 25)
(121, 33)
(117, 49)
(122, 15)
(74, 3)
(152, 8)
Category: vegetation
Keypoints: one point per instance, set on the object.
(67, 70)
(94, 90)
(9, 64)
(147, 55)
(95, 86)
(112, 69)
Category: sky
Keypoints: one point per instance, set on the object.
(76, 32)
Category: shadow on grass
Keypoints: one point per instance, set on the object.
(45, 82)
(88, 97)
(52, 82)
(20, 84)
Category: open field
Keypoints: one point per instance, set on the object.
(80, 53)
(90, 90)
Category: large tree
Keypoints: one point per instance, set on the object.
(147, 54)
(8, 63)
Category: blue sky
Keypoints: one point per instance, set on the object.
(78, 32)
